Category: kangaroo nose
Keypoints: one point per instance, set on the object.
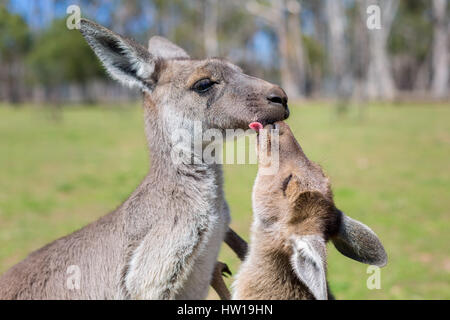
(277, 96)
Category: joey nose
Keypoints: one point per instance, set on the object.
(277, 96)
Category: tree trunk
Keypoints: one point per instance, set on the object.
(211, 43)
(440, 65)
(295, 45)
(380, 83)
(275, 15)
(288, 81)
(337, 48)
(13, 82)
(422, 81)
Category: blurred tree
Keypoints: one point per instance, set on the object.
(15, 42)
(379, 82)
(338, 48)
(60, 57)
(296, 54)
(318, 48)
(162, 8)
(439, 84)
(196, 27)
(315, 55)
(236, 28)
(124, 13)
(283, 17)
(210, 24)
(358, 58)
(410, 58)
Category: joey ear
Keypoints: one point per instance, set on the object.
(161, 47)
(296, 194)
(358, 242)
(125, 60)
(291, 187)
(308, 260)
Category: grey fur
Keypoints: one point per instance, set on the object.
(309, 254)
(163, 241)
(358, 242)
(161, 47)
(128, 56)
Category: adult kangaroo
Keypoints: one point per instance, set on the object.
(163, 241)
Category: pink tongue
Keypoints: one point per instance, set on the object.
(255, 126)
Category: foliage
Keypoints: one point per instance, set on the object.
(413, 23)
(15, 38)
(314, 51)
(61, 55)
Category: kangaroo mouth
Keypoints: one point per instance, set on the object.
(262, 121)
(258, 126)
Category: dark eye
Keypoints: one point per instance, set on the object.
(203, 85)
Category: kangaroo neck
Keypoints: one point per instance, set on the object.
(164, 162)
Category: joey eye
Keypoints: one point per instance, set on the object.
(203, 85)
(286, 182)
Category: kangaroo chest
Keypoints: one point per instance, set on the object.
(199, 278)
(215, 218)
(176, 257)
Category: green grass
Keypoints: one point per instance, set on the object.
(390, 170)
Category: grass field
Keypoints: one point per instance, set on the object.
(390, 170)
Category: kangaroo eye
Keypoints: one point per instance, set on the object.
(203, 85)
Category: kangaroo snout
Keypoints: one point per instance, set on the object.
(257, 101)
(278, 97)
(288, 147)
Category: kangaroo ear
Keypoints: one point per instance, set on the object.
(125, 60)
(291, 188)
(308, 260)
(161, 47)
(358, 242)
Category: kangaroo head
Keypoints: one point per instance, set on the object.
(184, 90)
(299, 189)
(296, 205)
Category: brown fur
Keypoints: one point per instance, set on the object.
(294, 216)
(297, 200)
